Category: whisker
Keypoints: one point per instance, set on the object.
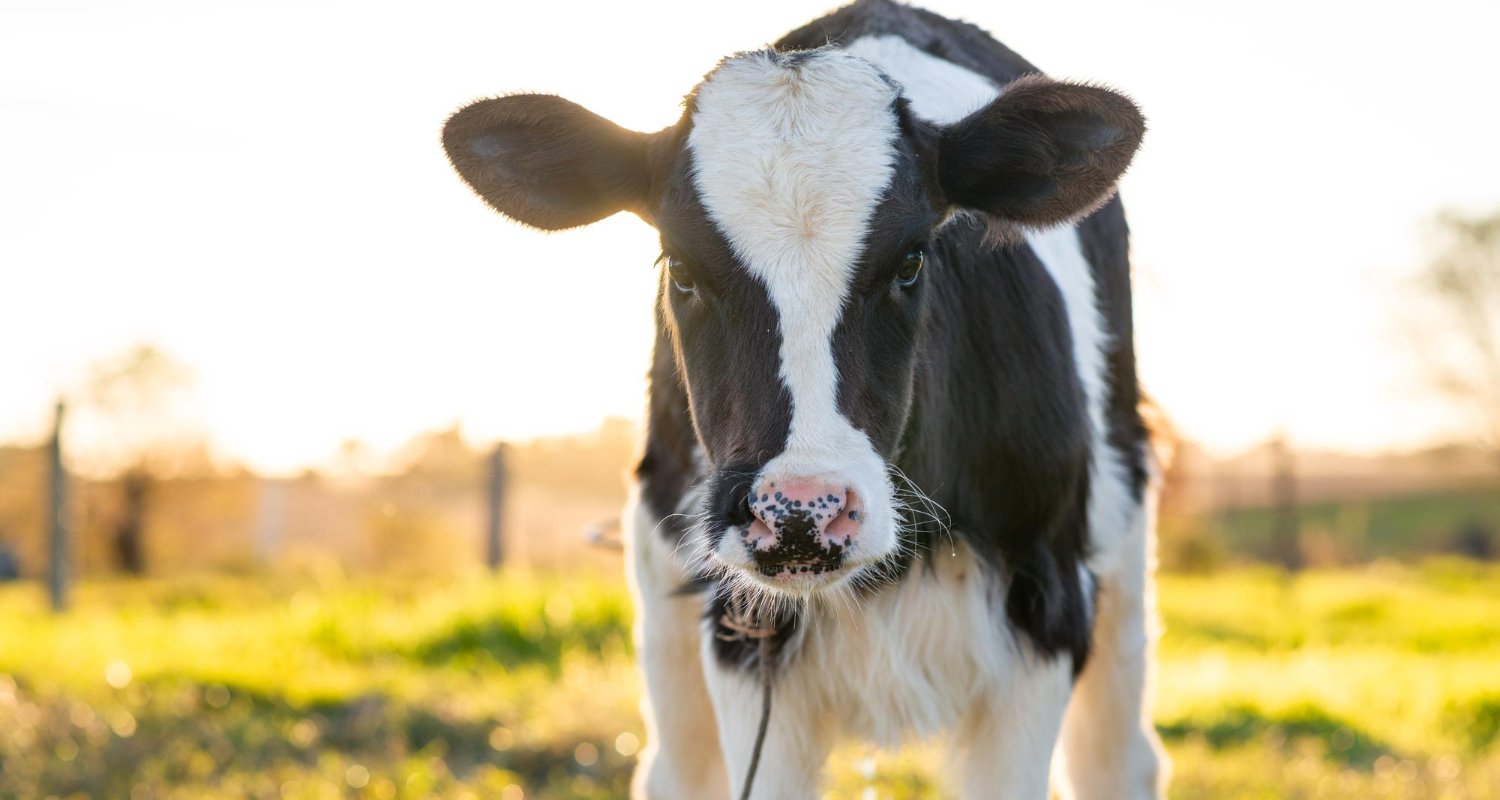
(919, 508)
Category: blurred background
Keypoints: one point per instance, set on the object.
(309, 463)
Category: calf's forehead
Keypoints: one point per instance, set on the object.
(790, 156)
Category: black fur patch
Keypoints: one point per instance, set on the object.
(875, 343)
(798, 550)
(726, 340)
(961, 43)
(999, 432)
(666, 470)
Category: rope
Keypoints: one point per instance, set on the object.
(743, 627)
(765, 718)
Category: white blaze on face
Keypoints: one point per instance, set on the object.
(791, 155)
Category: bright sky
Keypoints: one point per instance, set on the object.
(258, 188)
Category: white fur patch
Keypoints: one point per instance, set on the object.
(790, 159)
(921, 658)
(938, 91)
(913, 660)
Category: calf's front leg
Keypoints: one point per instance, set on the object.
(1110, 750)
(798, 739)
(1004, 749)
(681, 760)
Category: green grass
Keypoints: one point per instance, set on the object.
(1394, 526)
(1382, 682)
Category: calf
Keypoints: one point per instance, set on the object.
(894, 468)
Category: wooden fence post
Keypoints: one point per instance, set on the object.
(1286, 537)
(495, 507)
(57, 503)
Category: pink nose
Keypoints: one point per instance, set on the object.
(802, 522)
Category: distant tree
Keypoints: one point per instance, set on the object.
(1461, 341)
(440, 464)
(137, 433)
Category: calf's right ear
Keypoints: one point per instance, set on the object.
(548, 162)
(1043, 153)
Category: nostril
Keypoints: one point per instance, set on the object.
(768, 505)
(846, 525)
(731, 504)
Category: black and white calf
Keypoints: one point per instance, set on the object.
(893, 410)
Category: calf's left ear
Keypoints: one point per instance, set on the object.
(1044, 152)
(548, 162)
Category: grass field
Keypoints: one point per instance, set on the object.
(1394, 526)
(1378, 683)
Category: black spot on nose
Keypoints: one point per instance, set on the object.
(797, 549)
(798, 527)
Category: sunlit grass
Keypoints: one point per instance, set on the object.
(1402, 654)
(1378, 682)
(429, 689)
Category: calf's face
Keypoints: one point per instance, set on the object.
(796, 199)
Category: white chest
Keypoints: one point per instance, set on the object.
(909, 661)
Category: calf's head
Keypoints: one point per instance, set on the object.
(796, 199)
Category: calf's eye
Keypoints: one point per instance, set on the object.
(680, 275)
(911, 268)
